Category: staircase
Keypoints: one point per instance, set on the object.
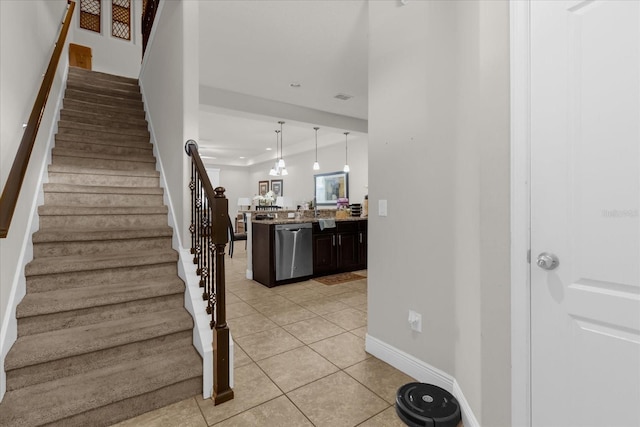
(102, 331)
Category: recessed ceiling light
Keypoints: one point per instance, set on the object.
(268, 148)
(295, 85)
(343, 97)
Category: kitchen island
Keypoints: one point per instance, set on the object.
(287, 250)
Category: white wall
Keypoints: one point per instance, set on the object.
(169, 83)
(21, 68)
(112, 54)
(439, 131)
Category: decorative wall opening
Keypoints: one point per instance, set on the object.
(90, 15)
(121, 19)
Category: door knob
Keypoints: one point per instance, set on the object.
(547, 261)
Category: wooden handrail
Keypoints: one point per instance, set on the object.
(9, 198)
(209, 236)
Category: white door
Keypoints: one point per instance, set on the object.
(585, 191)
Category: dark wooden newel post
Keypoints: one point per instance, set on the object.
(221, 390)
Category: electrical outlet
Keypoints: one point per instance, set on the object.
(415, 321)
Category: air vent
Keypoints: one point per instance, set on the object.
(343, 97)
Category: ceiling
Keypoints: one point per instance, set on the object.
(251, 51)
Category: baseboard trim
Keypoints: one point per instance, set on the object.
(422, 372)
(202, 334)
(9, 326)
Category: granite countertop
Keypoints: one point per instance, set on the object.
(303, 220)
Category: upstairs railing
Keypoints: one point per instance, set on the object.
(209, 236)
(11, 191)
(148, 16)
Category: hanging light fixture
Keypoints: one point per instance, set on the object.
(316, 165)
(281, 161)
(346, 157)
(275, 170)
(281, 164)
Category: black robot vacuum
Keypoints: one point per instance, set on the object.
(427, 405)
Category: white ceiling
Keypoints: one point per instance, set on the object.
(250, 53)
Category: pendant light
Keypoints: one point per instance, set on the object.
(316, 165)
(346, 158)
(281, 161)
(281, 164)
(274, 170)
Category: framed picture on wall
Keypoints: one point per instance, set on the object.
(329, 187)
(276, 187)
(263, 187)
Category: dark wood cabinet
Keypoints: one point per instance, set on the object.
(335, 250)
(348, 246)
(340, 249)
(263, 253)
(362, 245)
(324, 253)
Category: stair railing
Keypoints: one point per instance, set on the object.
(11, 191)
(209, 236)
(148, 16)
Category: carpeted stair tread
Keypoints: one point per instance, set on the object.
(100, 99)
(116, 91)
(77, 72)
(103, 120)
(63, 300)
(142, 146)
(91, 171)
(107, 128)
(93, 135)
(114, 110)
(92, 234)
(55, 400)
(34, 349)
(46, 210)
(74, 263)
(99, 117)
(99, 189)
(103, 156)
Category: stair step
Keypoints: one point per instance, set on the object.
(106, 277)
(109, 128)
(71, 264)
(102, 119)
(92, 147)
(107, 395)
(67, 308)
(74, 241)
(110, 89)
(64, 300)
(62, 156)
(80, 341)
(65, 195)
(115, 111)
(65, 152)
(76, 72)
(102, 216)
(98, 99)
(69, 174)
(77, 135)
(37, 374)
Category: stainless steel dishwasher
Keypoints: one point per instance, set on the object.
(294, 252)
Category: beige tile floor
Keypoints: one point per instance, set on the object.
(299, 360)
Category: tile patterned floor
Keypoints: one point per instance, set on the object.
(299, 360)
